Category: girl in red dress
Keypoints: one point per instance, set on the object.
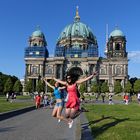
(73, 103)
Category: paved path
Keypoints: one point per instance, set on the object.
(37, 125)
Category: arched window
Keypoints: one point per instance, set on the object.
(118, 70)
(117, 46)
(102, 71)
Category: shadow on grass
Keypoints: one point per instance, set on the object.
(101, 129)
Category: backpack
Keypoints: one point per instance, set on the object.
(77, 90)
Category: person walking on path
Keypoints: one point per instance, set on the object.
(37, 101)
(7, 96)
(45, 101)
(138, 97)
(110, 99)
(126, 99)
(59, 102)
(73, 103)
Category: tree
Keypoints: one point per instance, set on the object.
(14, 78)
(128, 87)
(17, 87)
(137, 86)
(95, 87)
(28, 86)
(104, 87)
(1, 85)
(82, 88)
(3, 80)
(8, 87)
(40, 86)
(117, 87)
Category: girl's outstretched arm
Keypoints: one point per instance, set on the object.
(59, 81)
(62, 87)
(87, 78)
(48, 84)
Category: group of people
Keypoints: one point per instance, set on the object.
(44, 98)
(73, 102)
(10, 97)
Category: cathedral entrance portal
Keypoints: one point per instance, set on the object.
(76, 71)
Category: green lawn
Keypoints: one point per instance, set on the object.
(114, 122)
(7, 106)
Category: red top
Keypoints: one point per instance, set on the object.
(38, 99)
(126, 97)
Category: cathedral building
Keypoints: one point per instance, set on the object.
(76, 52)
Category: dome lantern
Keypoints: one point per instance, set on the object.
(77, 17)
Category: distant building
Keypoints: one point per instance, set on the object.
(76, 52)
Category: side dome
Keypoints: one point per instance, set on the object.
(37, 33)
(116, 32)
(37, 38)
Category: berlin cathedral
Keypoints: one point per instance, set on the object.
(76, 51)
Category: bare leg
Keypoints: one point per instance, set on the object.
(73, 113)
(59, 116)
(67, 112)
(54, 111)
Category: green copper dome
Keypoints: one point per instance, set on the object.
(77, 30)
(116, 32)
(37, 33)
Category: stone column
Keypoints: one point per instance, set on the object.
(55, 69)
(61, 72)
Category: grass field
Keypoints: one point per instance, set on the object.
(8, 106)
(114, 122)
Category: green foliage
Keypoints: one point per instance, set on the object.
(137, 86)
(117, 87)
(82, 88)
(28, 86)
(1, 86)
(104, 87)
(128, 87)
(17, 87)
(40, 86)
(95, 87)
(3, 80)
(8, 87)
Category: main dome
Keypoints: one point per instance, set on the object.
(76, 40)
(77, 30)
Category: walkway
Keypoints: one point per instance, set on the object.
(38, 125)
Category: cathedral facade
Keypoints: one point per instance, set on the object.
(76, 52)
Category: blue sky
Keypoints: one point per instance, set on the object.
(19, 18)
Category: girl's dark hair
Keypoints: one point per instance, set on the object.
(74, 78)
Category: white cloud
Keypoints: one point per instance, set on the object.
(134, 56)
